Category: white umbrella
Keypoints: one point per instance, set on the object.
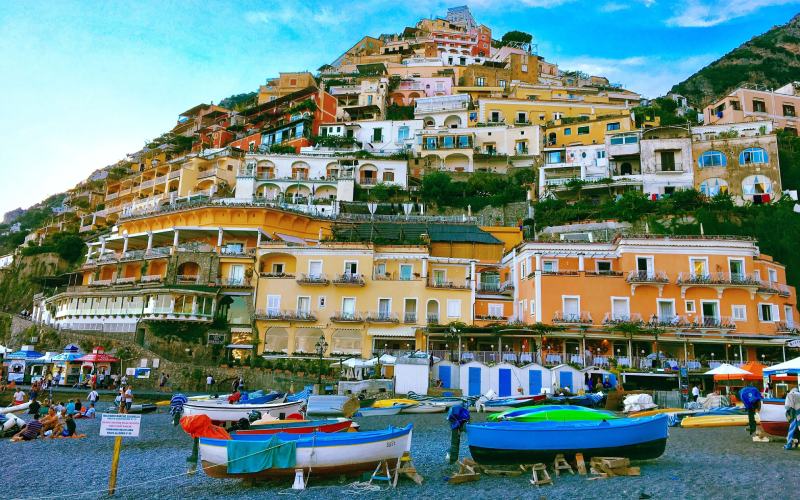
(385, 359)
(727, 369)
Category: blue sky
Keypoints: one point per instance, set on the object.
(83, 83)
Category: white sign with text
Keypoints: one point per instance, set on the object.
(120, 424)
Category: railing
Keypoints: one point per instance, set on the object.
(234, 251)
(433, 319)
(347, 317)
(187, 278)
(772, 287)
(507, 286)
(450, 285)
(784, 327)
(313, 279)
(354, 279)
(111, 196)
(208, 173)
(284, 315)
(101, 282)
(151, 278)
(582, 317)
(722, 278)
(132, 255)
(410, 318)
(677, 168)
(647, 277)
(603, 273)
(615, 318)
(276, 275)
(147, 184)
(382, 317)
(158, 251)
(565, 272)
(393, 277)
(174, 174)
(125, 281)
(490, 317)
(159, 180)
(720, 322)
(489, 287)
(234, 282)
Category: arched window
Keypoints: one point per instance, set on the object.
(626, 169)
(756, 184)
(751, 156)
(713, 186)
(712, 159)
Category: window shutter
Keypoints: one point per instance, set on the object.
(776, 313)
(760, 312)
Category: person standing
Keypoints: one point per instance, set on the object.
(19, 397)
(92, 397)
(128, 398)
(695, 393)
(162, 382)
(209, 383)
(792, 406)
(751, 398)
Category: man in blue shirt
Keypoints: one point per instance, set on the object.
(751, 397)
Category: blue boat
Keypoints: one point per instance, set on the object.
(588, 400)
(531, 442)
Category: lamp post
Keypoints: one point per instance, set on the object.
(320, 346)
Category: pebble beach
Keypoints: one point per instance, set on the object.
(698, 463)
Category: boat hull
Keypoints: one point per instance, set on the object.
(322, 454)
(523, 442)
(374, 412)
(773, 417)
(231, 413)
(425, 408)
(299, 427)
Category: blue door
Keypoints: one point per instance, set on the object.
(474, 387)
(444, 376)
(565, 380)
(535, 382)
(505, 382)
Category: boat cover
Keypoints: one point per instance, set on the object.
(246, 457)
(199, 426)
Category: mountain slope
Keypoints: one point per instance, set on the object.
(771, 59)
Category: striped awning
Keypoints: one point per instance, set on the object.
(241, 329)
(399, 331)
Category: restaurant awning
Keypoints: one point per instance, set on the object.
(239, 346)
(400, 331)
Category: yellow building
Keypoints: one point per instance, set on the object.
(569, 131)
(540, 112)
(285, 84)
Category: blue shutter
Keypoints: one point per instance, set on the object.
(565, 380)
(534, 382)
(444, 376)
(474, 387)
(505, 382)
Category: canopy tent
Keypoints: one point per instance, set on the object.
(754, 368)
(791, 367)
(727, 372)
(385, 359)
(4, 350)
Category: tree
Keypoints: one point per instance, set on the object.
(435, 186)
(69, 246)
(516, 37)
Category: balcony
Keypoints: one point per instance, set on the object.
(612, 318)
(410, 318)
(347, 317)
(376, 276)
(728, 279)
(488, 287)
(609, 272)
(112, 196)
(579, 318)
(125, 281)
(99, 283)
(169, 313)
(276, 275)
(433, 319)
(647, 277)
(147, 184)
(192, 279)
(235, 251)
(491, 317)
(240, 282)
(349, 279)
(313, 280)
(448, 285)
(672, 321)
(284, 315)
(782, 327)
(382, 317)
(676, 169)
(769, 287)
(713, 323)
(151, 278)
(132, 255)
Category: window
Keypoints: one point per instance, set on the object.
(759, 106)
(571, 307)
(620, 309)
(554, 157)
(773, 275)
(377, 135)
(480, 81)
(612, 126)
(603, 266)
(567, 131)
(495, 310)
(322, 301)
(277, 268)
(521, 147)
(739, 312)
(448, 142)
(369, 99)
(380, 269)
(550, 266)
(406, 272)
(666, 310)
(735, 105)
(601, 154)
(788, 110)
(453, 308)
(304, 305)
(273, 304)
(698, 266)
(402, 133)
(439, 276)
(713, 186)
(736, 267)
(689, 305)
(388, 177)
(644, 266)
(384, 308)
(430, 143)
(315, 268)
(463, 141)
(788, 315)
(410, 310)
(751, 156)
(712, 159)
(768, 312)
(667, 161)
(522, 117)
(351, 267)
(583, 130)
(501, 84)
(494, 116)
(348, 307)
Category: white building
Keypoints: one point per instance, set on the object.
(448, 111)
(666, 160)
(572, 163)
(378, 136)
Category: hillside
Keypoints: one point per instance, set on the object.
(771, 59)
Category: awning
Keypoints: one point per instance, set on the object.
(291, 239)
(400, 331)
(241, 329)
(239, 346)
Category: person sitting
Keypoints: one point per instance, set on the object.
(89, 412)
(31, 431)
(69, 429)
(70, 407)
(51, 423)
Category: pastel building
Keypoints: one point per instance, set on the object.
(745, 104)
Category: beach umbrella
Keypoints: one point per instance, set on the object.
(727, 371)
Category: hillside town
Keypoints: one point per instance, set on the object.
(377, 238)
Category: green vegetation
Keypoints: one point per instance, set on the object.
(238, 102)
(789, 157)
(68, 246)
(397, 112)
(480, 190)
(770, 60)
(665, 109)
(514, 37)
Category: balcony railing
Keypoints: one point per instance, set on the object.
(608, 272)
(730, 279)
(347, 317)
(351, 279)
(774, 288)
(582, 317)
(490, 317)
(410, 318)
(489, 287)
(270, 314)
(187, 278)
(507, 286)
(382, 317)
(313, 279)
(151, 278)
(240, 282)
(647, 277)
(784, 327)
(101, 282)
(393, 277)
(433, 319)
(612, 318)
(125, 281)
(276, 275)
(450, 285)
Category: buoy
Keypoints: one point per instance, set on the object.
(299, 483)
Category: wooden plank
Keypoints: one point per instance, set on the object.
(502, 472)
(580, 464)
(615, 462)
(463, 478)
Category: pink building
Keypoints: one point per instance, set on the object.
(409, 90)
(750, 104)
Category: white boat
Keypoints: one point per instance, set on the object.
(318, 452)
(386, 410)
(772, 417)
(425, 408)
(15, 408)
(226, 412)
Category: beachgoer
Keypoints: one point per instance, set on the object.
(162, 382)
(34, 392)
(19, 397)
(209, 383)
(792, 406)
(751, 398)
(128, 399)
(695, 393)
(124, 381)
(70, 407)
(31, 431)
(176, 407)
(93, 396)
(34, 407)
(90, 413)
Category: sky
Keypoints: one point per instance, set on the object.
(84, 83)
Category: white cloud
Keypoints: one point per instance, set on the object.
(701, 14)
(613, 7)
(545, 4)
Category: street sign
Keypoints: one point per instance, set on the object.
(120, 425)
(216, 338)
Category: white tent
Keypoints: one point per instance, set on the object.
(727, 369)
(5, 350)
(385, 359)
(792, 367)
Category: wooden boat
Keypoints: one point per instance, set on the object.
(773, 417)
(331, 406)
(532, 442)
(503, 404)
(383, 411)
(272, 397)
(716, 421)
(383, 403)
(658, 411)
(425, 408)
(321, 453)
(557, 413)
(300, 426)
(15, 408)
(225, 412)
